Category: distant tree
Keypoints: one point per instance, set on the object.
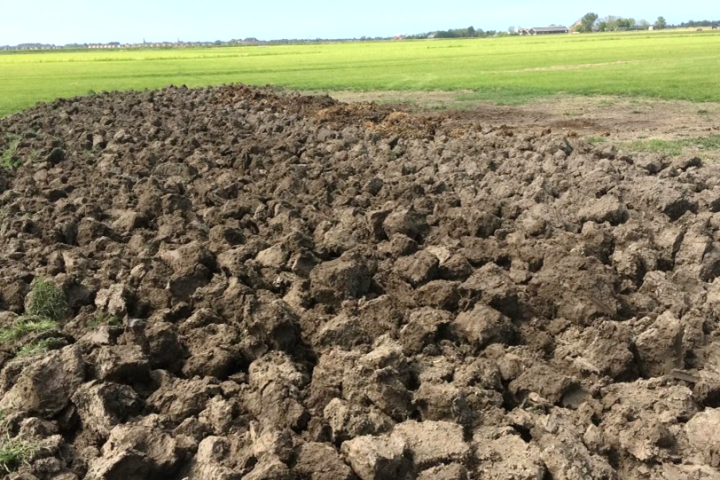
(445, 34)
(660, 23)
(456, 33)
(603, 26)
(625, 23)
(588, 21)
(644, 24)
(700, 23)
(512, 31)
(611, 22)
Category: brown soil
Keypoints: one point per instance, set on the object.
(315, 290)
(622, 119)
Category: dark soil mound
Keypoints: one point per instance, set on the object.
(270, 286)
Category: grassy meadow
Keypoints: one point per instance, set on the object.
(665, 64)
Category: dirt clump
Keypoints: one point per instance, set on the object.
(265, 285)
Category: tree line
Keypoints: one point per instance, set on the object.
(469, 32)
(701, 23)
(591, 22)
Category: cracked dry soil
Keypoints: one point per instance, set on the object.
(313, 290)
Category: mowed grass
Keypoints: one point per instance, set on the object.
(673, 147)
(668, 65)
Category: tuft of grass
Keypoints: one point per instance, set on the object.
(9, 159)
(104, 318)
(596, 139)
(41, 346)
(15, 452)
(708, 143)
(47, 301)
(45, 306)
(26, 325)
(702, 111)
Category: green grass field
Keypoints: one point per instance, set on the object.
(668, 65)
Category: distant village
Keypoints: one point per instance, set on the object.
(604, 24)
(176, 44)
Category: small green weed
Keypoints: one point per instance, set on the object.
(46, 305)
(104, 318)
(15, 452)
(41, 346)
(595, 139)
(702, 111)
(26, 325)
(9, 158)
(47, 301)
(708, 143)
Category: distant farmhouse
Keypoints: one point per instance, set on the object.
(543, 30)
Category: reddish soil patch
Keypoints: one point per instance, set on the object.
(317, 290)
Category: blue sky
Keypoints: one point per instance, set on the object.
(88, 21)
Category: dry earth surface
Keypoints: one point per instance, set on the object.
(312, 290)
(624, 121)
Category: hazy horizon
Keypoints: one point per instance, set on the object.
(132, 21)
